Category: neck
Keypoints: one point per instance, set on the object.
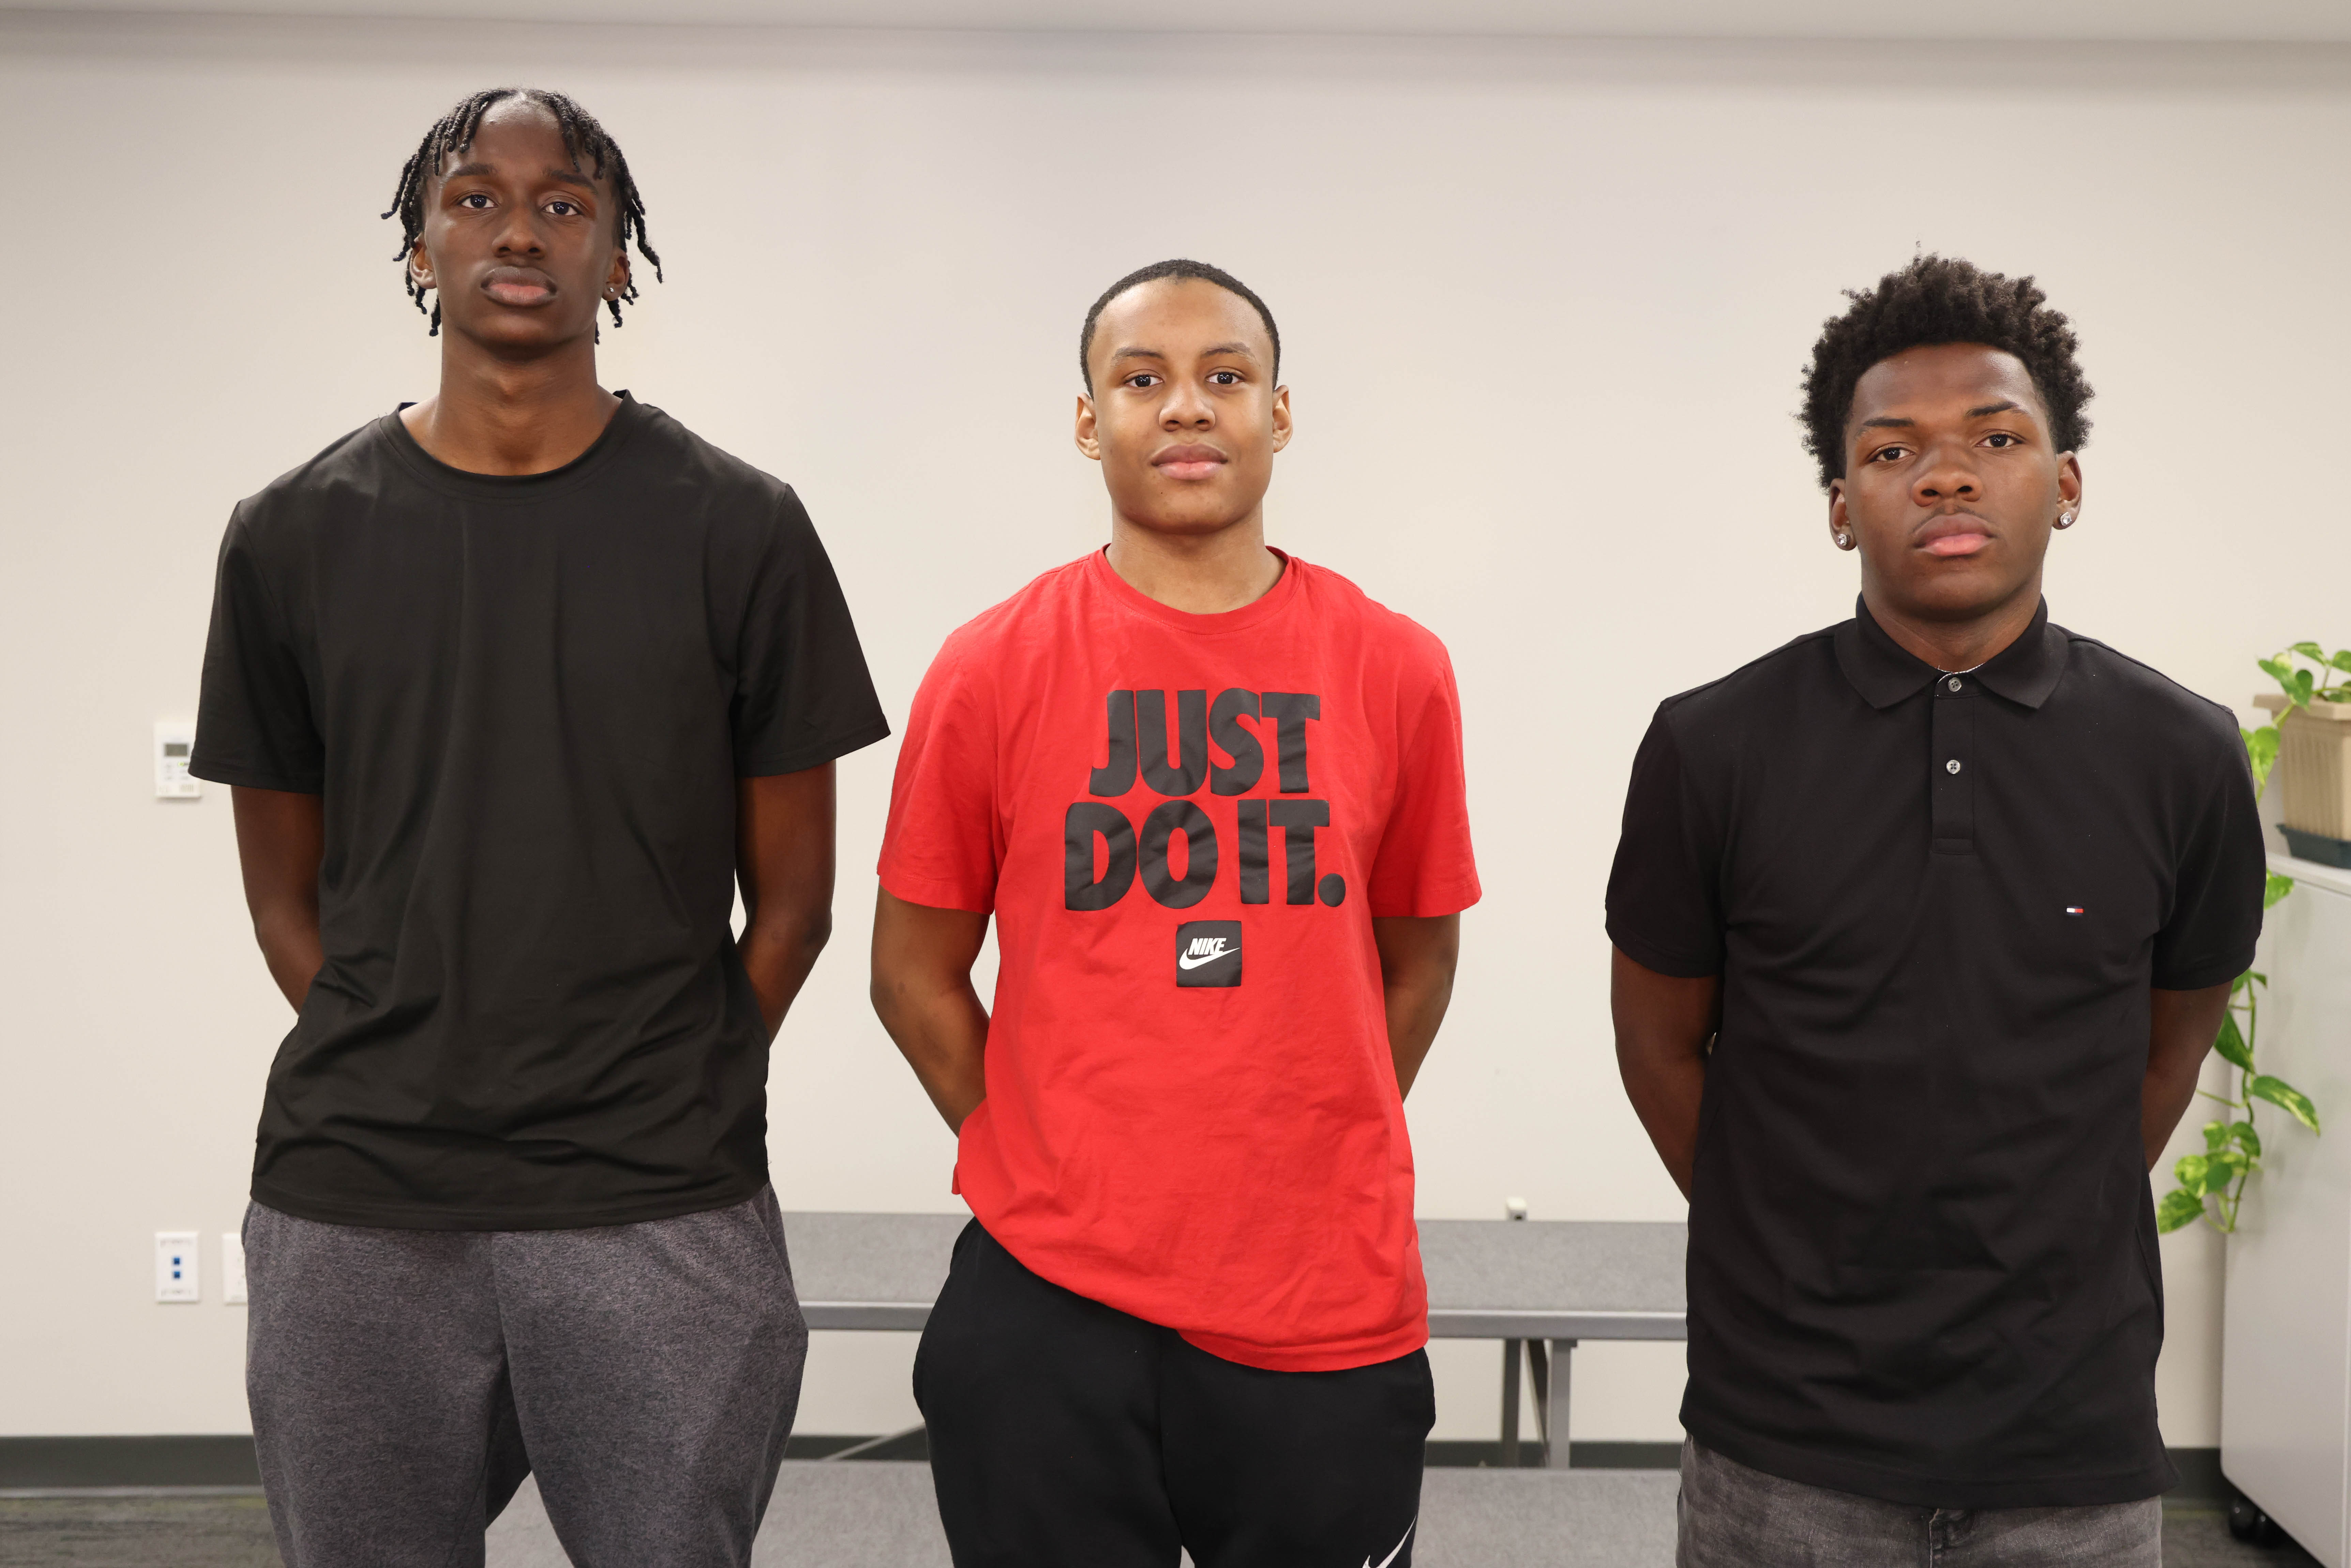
(1200, 574)
(1957, 644)
(495, 415)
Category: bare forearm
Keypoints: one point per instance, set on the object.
(2182, 1026)
(1666, 1092)
(281, 837)
(1665, 1027)
(941, 1030)
(1418, 955)
(923, 996)
(290, 945)
(1416, 1009)
(778, 953)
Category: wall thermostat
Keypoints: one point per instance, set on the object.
(175, 739)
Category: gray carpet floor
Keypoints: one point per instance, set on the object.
(880, 1515)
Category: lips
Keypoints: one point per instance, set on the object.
(1190, 462)
(522, 286)
(1954, 534)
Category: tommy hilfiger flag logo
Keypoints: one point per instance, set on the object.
(1208, 953)
(2075, 909)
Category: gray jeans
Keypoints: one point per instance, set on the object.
(1732, 1517)
(404, 1382)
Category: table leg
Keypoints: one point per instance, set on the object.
(1511, 1403)
(1556, 1454)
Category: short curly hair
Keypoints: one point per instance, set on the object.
(1941, 299)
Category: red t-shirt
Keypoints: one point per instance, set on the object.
(1184, 825)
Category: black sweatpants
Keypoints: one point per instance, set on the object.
(1065, 1434)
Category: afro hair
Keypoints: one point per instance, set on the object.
(1941, 299)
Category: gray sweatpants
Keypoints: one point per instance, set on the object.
(405, 1382)
(1734, 1517)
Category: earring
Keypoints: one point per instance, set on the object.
(2066, 519)
(1844, 540)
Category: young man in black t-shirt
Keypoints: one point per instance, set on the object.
(512, 687)
(1923, 926)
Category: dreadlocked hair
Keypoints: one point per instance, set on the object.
(583, 138)
(1941, 299)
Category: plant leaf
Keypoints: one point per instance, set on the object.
(2311, 650)
(2222, 1168)
(2273, 894)
(2216, 1136)
(2277, 669)
(2302, 685)
(2242, 1134)
(2232, 1045)
(2177, 1208)
(2190, 1169)
(2260, 752)
(2342, 660)
(2281, 1093)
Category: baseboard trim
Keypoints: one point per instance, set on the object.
(73, 1464)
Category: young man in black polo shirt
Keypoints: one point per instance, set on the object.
(1923, 926)
(511, 687)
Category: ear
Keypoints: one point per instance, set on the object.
(1089, 441)
(1840, 517)
(419, 265)
(2069, 483)
(616, 279)
(1280, 418)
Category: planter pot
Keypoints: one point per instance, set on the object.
(2314, 767)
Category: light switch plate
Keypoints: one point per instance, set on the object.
(175, 1267)
(176, 740)
(232, 1268)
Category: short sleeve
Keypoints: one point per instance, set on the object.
(1664, 905)
(942, 847)
(803, 693)
(2215, 902)
(255, 724)
(1424, 866)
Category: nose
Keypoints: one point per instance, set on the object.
(1185, 408)
(1947, 475)
(519, 236)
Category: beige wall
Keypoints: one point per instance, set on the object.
(1545, 305)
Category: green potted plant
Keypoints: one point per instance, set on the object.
(2313, 752)
(2313, 736)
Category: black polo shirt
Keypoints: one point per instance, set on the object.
(1922, 1261)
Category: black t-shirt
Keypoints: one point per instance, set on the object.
(526, 700)
(1922, 1261)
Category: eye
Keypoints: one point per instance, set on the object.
(476, 199)
(1888, 453)
(1143, 379)
(1224, 377)
(561, 208)
(2000, 438)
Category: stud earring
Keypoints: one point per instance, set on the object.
(1844, 540)
(2066, 519)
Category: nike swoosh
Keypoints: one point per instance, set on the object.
(1188, 962)
(1399, 1546)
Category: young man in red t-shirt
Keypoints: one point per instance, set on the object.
(1213, 797)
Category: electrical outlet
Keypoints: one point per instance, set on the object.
(175, 1267)
(232, 1268)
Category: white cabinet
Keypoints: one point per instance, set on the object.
(2286, 1358)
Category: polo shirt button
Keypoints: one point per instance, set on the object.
(1956, 683)
(1952, 766)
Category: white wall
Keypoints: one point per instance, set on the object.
(1544, 302)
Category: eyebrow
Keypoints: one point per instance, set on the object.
(1887, 422)
(1241, 349)
(478, 168)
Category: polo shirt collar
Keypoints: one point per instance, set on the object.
(1884, 673)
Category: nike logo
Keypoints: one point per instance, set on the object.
(1207, 950)
(1399, 1546)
